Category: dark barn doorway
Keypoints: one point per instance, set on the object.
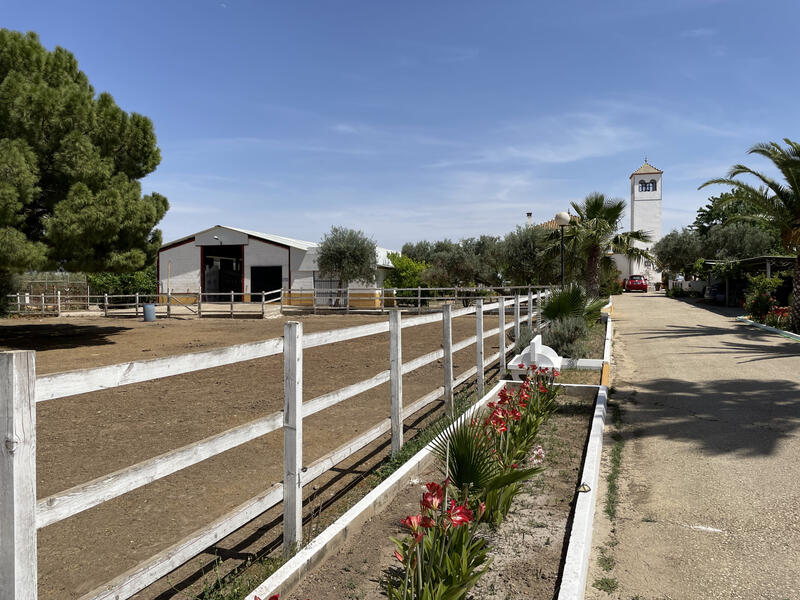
(222, 272)
(265, 279)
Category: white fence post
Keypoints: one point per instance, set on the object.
(19, 304)
(501, 315)
(447, 346)
(396, 379)
(199, 304)
(18, 475)
(530, 310)
(136, 306)
(58, 302)
(539, 310)
(231, 304)
(516, 318)
(292, 436)
(263, 303)
(43, 303)
(169, 303)
(479, 345)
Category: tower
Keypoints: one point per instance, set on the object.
(645, 210)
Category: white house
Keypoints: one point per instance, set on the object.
(645, 209)
(224, 259)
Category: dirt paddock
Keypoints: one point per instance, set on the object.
(86, 436)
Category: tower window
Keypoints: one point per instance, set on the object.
(652, 185)
(643, 186)
(647, 186)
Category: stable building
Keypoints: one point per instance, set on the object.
(221, 260)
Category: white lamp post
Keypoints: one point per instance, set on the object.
(562, 220)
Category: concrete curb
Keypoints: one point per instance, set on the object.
(289, 575)
(786, 334)
(576, 564)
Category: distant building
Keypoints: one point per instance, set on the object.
(645, 209)
(221, 260)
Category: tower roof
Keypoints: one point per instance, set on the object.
(647, 169)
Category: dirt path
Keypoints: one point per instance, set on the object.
(710, 497)
(90, 435)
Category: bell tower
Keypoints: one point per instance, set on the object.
(645, 210)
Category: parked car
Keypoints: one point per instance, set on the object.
(636, 283)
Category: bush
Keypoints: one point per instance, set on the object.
(572, 301)
(567, 336)
(525, 338)
(760, 299)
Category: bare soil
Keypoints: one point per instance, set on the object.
(86, 436)
(526, 549)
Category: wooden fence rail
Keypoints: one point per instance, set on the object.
(21, 514)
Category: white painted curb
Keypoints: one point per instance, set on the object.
(576, 564)
(289, 575)
(786, 334)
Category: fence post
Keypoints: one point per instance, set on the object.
(383, 299)
(19, 304)
(199, 304)
(292, 436)
(396, 379)
(18, 475)
(58, 302)
(314, 298)
(419, 300)
(539, 310)
(501, 315)
(169, 303)
(516, 318)
(105, 304)
(136, 305)
(479, 344)
(347, 299)
(281, 300)
(43, 304)
(263, 302)
(447, 346)
(231, 304)
(530, 310)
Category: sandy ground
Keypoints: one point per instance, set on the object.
(90, 435)
(710, 497)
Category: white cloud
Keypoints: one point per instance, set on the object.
(700, 32)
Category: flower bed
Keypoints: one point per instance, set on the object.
(360, 568)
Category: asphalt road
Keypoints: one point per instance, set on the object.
(710, 481)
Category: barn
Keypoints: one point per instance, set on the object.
(222, 259)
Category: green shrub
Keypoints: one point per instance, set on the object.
(525, 338)
(572, 301)
(760, 296)
(567, 337)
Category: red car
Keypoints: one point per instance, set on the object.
(635, 283)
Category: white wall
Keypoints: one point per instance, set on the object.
(179, 269)
(262, 254)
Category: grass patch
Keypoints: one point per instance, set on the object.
(606, 584)
(612, 492)
(605, 561)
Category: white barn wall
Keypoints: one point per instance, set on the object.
(179, 269)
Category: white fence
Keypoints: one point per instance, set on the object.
(22, 514)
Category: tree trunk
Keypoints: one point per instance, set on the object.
(795, 311)
(593, 272)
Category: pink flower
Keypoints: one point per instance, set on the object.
(538, 455)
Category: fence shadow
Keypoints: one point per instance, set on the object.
(55, 336)
(725, 416)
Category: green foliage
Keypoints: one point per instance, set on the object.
(347, 255)
(760, 296)
(406, 272)
(739, 240)
(143, 282)
(775, 202)
(8, 285)
(610, 283)
(472, 261)
(69, 168)
(678, 251)
(525, 258)
(593, 235)
(567, 336)
(525, 337)
(572, 301)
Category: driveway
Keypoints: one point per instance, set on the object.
(710, 479)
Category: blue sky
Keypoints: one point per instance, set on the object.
(422, 120)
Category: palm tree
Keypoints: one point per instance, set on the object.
(593, 235)
(777, 203)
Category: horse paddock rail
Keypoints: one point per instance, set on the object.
(22, 513)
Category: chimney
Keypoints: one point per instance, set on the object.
(530, 218)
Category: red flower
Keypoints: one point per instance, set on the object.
(521, 365)
(398, 556)
(416, 523)
(459, 514)
(433, 497)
